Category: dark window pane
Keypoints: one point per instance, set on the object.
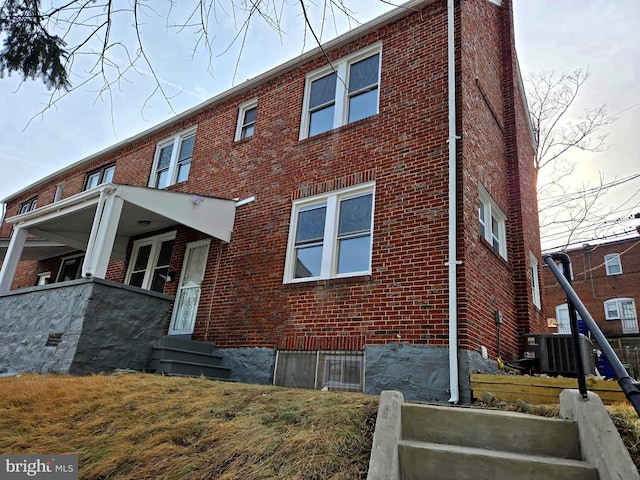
(323, 90)
(159, 279)
(165, 253)
(165, 157)
(143, 258)
(321, 120)
(355, 215)
(186, 149)
(354, 254)
(136, 279)
(308, 261)
(250, 116)
(363, 105)
(311, 224)
(71, 269)
(364, 73)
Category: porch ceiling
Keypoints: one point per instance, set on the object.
(66, 225)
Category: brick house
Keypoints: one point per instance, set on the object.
(606, 277)
(362, 214)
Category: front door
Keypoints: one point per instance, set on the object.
(188, 294)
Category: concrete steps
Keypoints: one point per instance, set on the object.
(178, 356)
(439, 443)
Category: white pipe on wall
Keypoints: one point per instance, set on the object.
(453, 234)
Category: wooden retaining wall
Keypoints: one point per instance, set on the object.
(540, 390)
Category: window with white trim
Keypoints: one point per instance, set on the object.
(246, 120)
(562, 318)
(172, 160)
(341, 93)
(149, 263)
(70, 268)
(492, 222)
(535, 280)
(330, 235)
(620, 309)
(100, 176)
(613, 264)
(28, 205)
(331, 370)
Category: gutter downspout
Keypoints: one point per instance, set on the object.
(453, 235)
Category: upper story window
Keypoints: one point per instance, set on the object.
(28, 205)
(492, 222)
(342, 93)
(613, 264)
(100, 176)
(535, 281)
(173, 160)
(246, 120)
(331, 235)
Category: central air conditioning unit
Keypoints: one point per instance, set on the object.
(553, 354)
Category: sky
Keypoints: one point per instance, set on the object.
(551, 35)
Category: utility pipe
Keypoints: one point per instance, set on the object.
(452, 262)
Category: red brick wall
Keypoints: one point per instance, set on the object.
(592, 284)
(404, 149)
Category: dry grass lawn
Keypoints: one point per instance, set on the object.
(152, 427)
(141, 426)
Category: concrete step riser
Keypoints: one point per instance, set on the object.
(170, 341)
(185, 356)
(494, 430)
(189, 369)
(438, 462)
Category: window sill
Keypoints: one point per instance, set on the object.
(340, 129)
(355, 279)
(495, 253)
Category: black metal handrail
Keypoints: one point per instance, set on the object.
(629, 386)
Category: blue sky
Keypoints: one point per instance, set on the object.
(550, 35)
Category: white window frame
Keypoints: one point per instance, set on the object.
(156, 243)
(535, 281)
(618, 304)
(329, 263)
(172, 174)
(613, 264)
(242, 112)
(64, 260)
(342, 68)
(28, 206)
(488, 210)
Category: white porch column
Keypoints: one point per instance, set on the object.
(12, 258)
(103, 235)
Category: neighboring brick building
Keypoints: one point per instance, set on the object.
(336, 181)
(606, 277)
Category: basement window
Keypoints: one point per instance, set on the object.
(331, 370)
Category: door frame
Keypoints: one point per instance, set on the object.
(189, 246)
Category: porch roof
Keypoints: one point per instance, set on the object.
(66, 225)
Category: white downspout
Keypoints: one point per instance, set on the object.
(453, 235)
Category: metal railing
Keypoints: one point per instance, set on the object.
(629, 386)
